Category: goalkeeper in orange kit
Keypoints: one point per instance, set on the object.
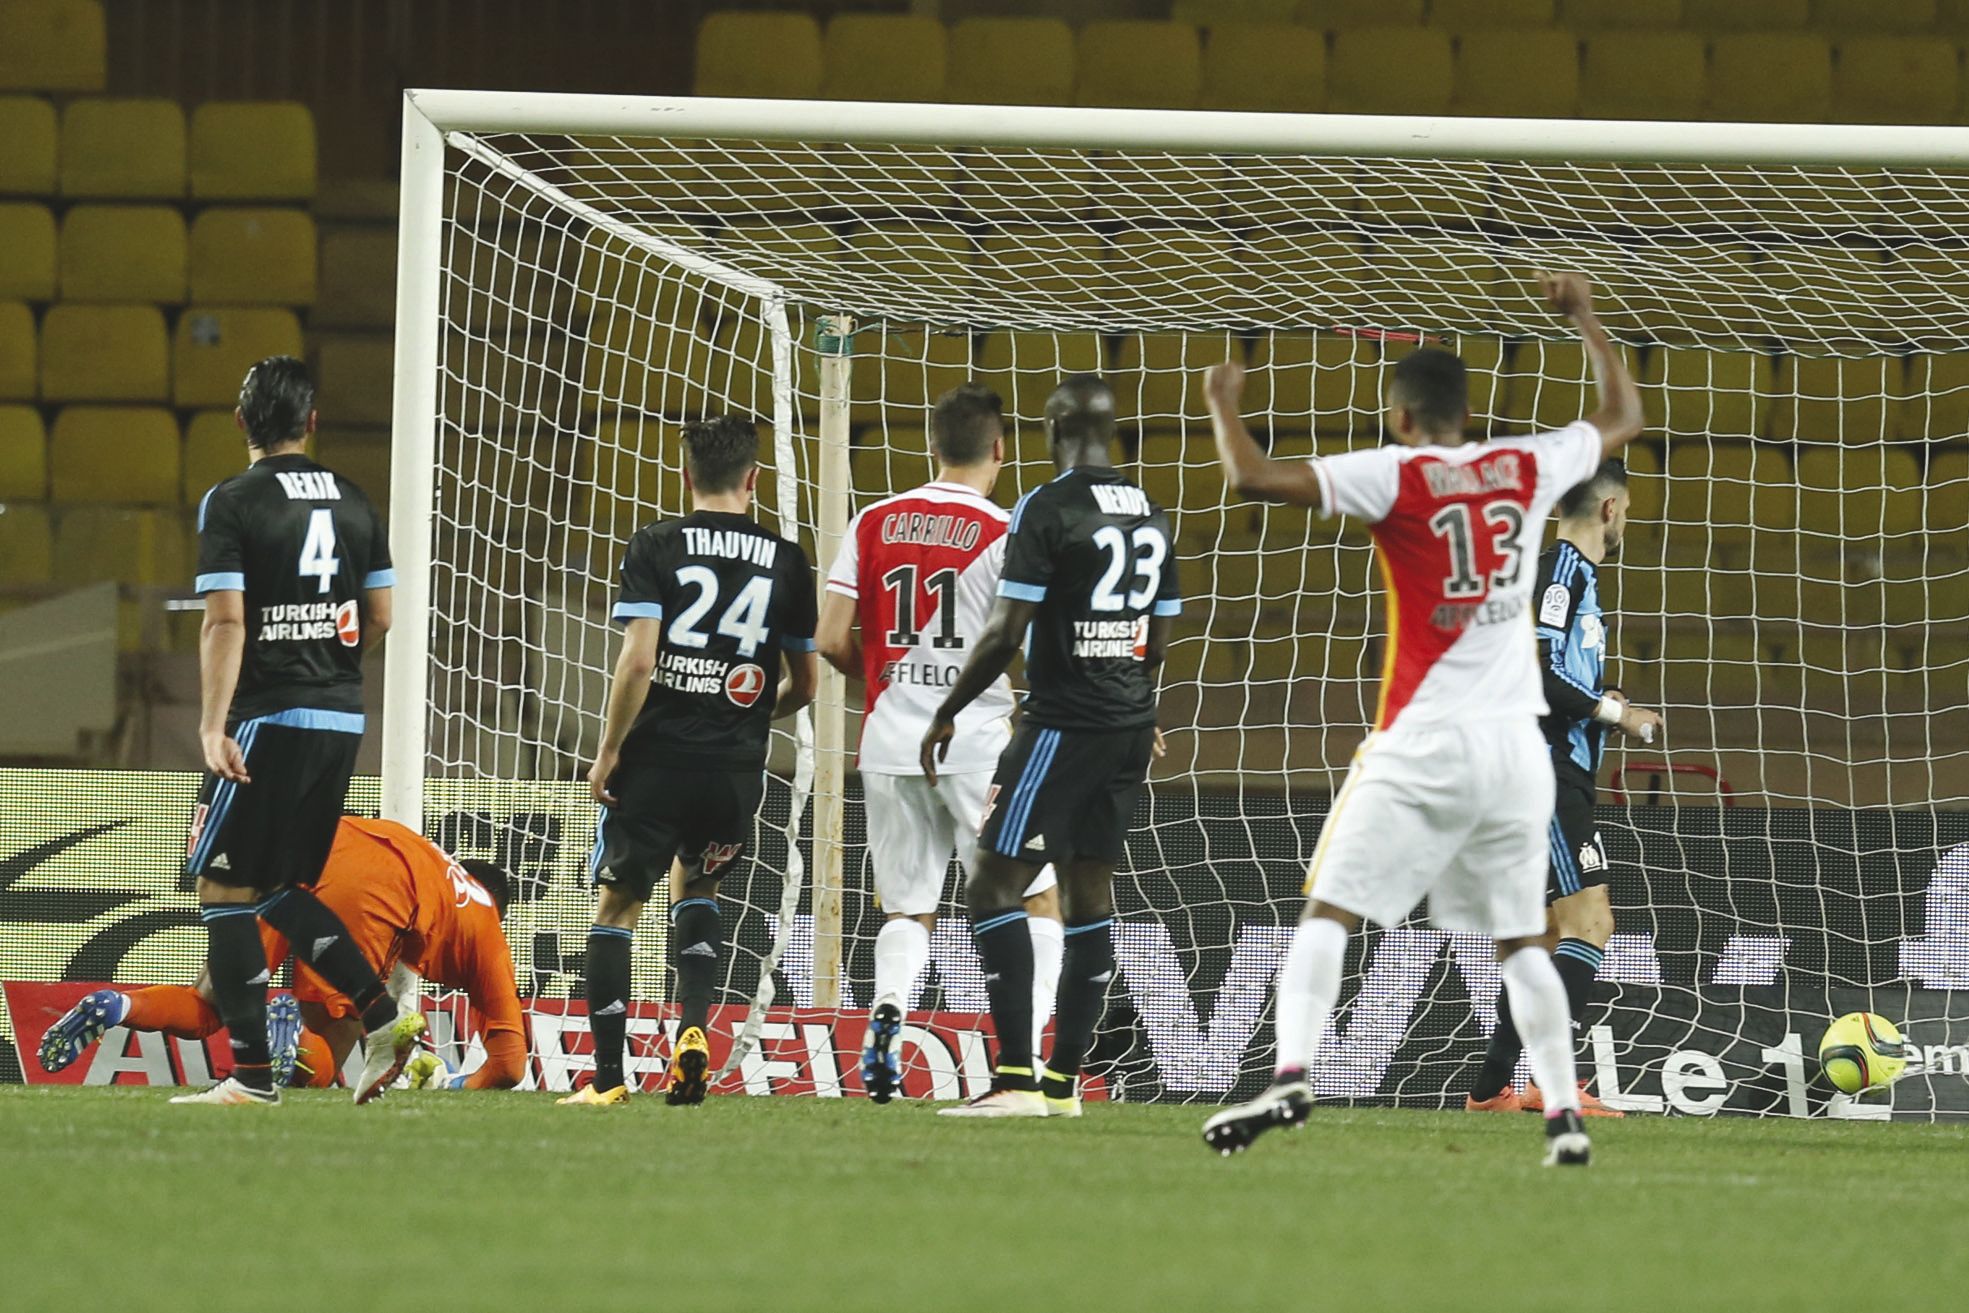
(408, 904)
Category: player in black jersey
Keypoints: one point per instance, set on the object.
(714, 607)
(295, 570)
(1572, 643)
(1090, 581)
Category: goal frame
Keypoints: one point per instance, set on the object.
(430, 115)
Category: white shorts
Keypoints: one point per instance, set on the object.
(913, 828)
(1459, 814)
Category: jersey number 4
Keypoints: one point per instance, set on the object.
(744, 620)
(1452, 524)
(318, 549)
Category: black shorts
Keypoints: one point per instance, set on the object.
(1579, 859)
(702, 817)
(1061, 794)
(275, 831)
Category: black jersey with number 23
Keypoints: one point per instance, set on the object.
(1095, 554)
(304, 544)
(731, 597)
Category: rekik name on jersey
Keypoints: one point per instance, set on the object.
(923, 567)
(303, 544)
(1096, 555)
(732, 596)
(1457, 530)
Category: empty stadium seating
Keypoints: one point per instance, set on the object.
(1709, 394)
(105, 353)
(1642, 75)
(1025, 367)
(123, 253)
(1896, 80)
(731, 58)
(1603, 15)
(1158, 377)
(23, 455)
(51, 45)
(1011, 61)
(252, 151)
(1517, 74)
(123, 150)
(27, 235)
(358, 279)
(19, 353)
(1780, 76)
(1360, 80)
(1874, 16)
(27, 166)
(27, 545)
(1325, 382)
(115, 454)
(215, 449)
(1853, 399)
(122, 545)
(883, 57)
(902, 371)
(1491, 15)
(1745, 15)
(253, 257)
(1340, 15)
(215, 345)
(1139, 65)
(1263, 66)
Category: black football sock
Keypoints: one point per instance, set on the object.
(1501, 1057)
(238, 962)
(608, 1001)
(1085, 972)
(318, 938)
(1005, 949)
(1579, 965)
(695, 948)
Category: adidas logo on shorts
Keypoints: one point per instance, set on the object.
(323, 944)
(1036, 844)
(699, 949)
(614, 1009)
(220, 863)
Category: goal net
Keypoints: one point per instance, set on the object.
(582, 275)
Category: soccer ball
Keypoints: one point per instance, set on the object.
(1862, 1050)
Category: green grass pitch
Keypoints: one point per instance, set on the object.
(112, 1199)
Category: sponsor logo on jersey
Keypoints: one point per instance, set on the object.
(1095, 640)
(1142, 638)
(1592, 857)
(744, 684)
(309, 485)
(348, 624)
(692, 674)
(301, 622)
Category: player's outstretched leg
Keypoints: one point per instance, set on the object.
(696, 939)
(81, 1026)
(324, 943)
(1538, 1001)
(1308, 990)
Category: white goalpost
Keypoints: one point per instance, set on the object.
(578, 275)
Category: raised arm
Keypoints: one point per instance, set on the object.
(1248, 471)
(990, 656)
(1619, 418)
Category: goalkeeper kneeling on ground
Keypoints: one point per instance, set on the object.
(412, 909)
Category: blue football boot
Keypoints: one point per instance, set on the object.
(82, 1026)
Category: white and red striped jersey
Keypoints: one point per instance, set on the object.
(1457, 532)
(923, 568)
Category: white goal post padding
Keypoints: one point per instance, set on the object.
(580, 274)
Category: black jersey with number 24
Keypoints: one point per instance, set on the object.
(304, 544)
(731, 597)
(1095, 553)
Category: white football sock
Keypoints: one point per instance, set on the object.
(1538, 1007)
(1308, 988)
(902, 950)
(1049, 945)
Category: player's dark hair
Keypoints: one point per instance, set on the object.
(1609, 479)
(494, 878)
(967, 421)
(1081, 411)
(1435, 387)
(275, 400)
(720, 450)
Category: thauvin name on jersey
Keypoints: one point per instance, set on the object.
(756, 548)
(309, 485)
(1101, 639)
(931, 530)
(1120, 498)
(1501, 473)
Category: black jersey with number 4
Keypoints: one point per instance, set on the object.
(1095, 553)
(304, 544)
(731, 597)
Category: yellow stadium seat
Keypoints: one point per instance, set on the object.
(1212, 13)
(114, 454)
(363, 458)
(1320, 275)
(19, 353)
(215, 345)
(1642, 75)
(123, 253)
(1609, 15)
(215, 450)
(1745, 15)
(105, 353)
(123, 150)
(1852, 399)
(1025, 367)
(1517, 74)
(883, 57)
(1158, 377)
(1896, 80)
(1011, 61)
(252, 151)
(1361, 75)
(1491, 15)
(1730, 489)
(27, 544)
(1858, 493)
(359, 279)
(1647, 490)
(1709, 394)
(1264, 66)
(1325, 382)
(1184, 266)
(27, 166)
(52, 45)
(1938, 398)
(253, 257)
(23, 455)
(97, 544)
(1139, 65)
(1948, 493)
(1548, 386)
(900, 372)
(1341, 15)
(27, 235)
(1874, 17)
(1064, 269)
(1783, 77)
(937, 260)
(635, 362)
(758, 54)
(888, 462)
